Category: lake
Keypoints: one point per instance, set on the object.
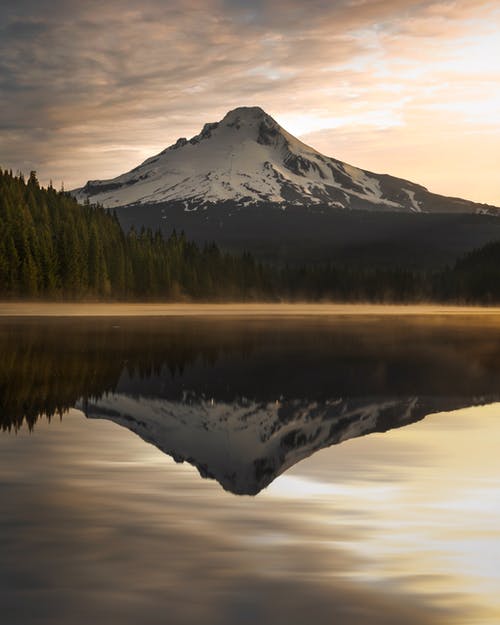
(233, 469)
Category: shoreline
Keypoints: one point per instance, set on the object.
(41, 309)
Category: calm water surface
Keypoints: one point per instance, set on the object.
(324, 470)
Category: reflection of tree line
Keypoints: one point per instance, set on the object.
(45, 369)
(44, 374)
(47, 366)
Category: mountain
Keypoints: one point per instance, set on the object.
(248, 159)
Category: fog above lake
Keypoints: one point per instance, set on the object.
(262, 309)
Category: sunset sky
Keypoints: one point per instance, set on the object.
(90, 89)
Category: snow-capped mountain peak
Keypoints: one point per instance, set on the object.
(247, 158)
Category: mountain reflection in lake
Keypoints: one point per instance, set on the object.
(96, 526)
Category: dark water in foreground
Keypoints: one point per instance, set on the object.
(397, 524)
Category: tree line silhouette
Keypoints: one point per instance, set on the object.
(53, 248)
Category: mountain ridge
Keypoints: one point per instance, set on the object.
(248, 159)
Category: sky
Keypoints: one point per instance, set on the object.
(90, 89)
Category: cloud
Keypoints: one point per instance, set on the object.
(88, 89)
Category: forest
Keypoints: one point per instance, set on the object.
(55, 249)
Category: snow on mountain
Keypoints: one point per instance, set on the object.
(248, 158)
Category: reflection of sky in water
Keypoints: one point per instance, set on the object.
(398, 528)
(438, 511)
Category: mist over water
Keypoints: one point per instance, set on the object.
(364, 509)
